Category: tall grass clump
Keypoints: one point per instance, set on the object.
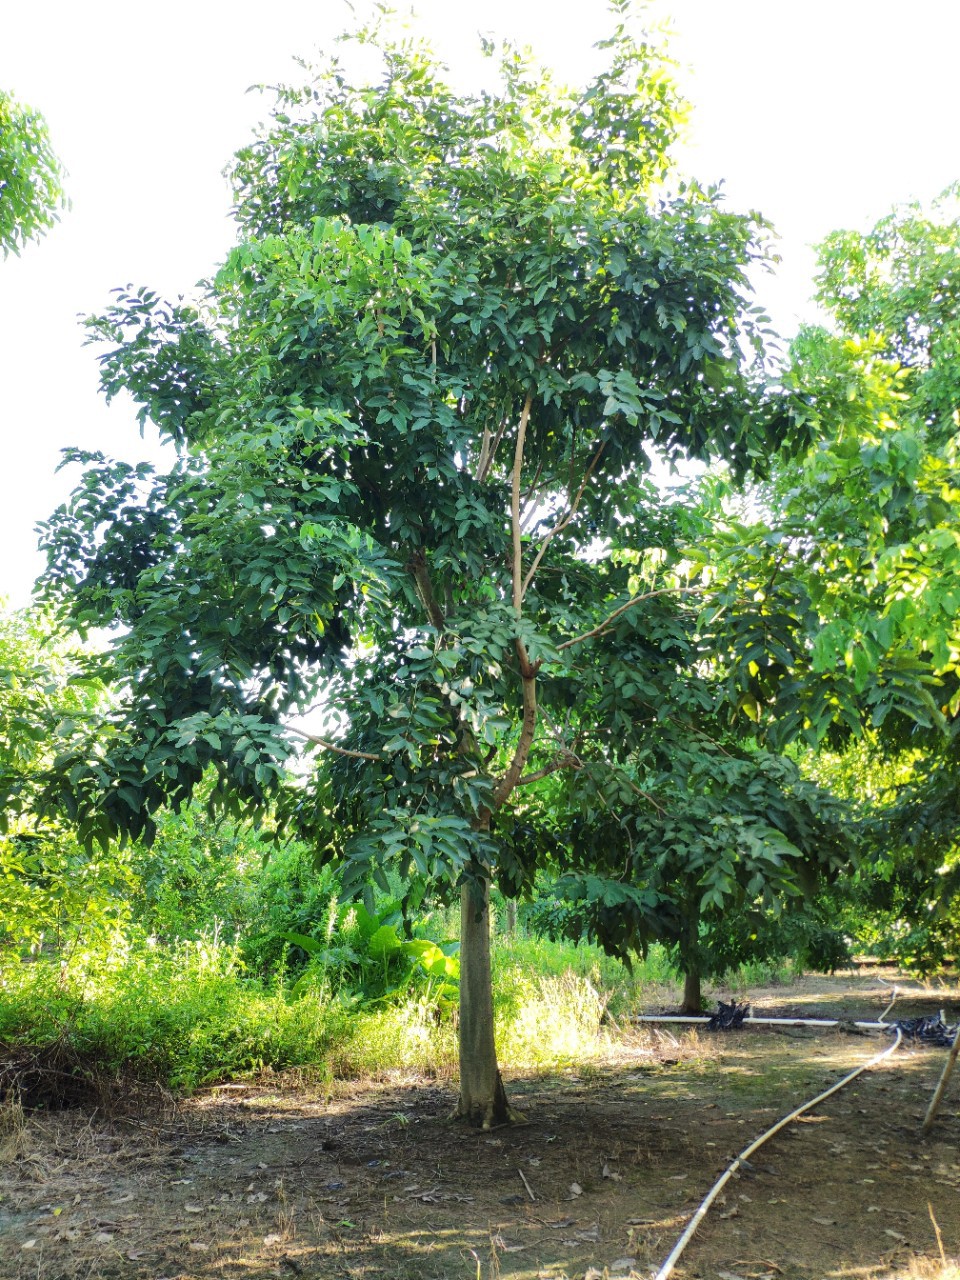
(402, 1037)
(548, 1021)
(183, 1014)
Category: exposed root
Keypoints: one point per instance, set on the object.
(493, 1113)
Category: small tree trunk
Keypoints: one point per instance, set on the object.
(692, 992)
(510, 922)
(483, 1102)
(690, 956)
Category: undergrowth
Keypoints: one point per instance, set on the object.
(188, 1013)
(182, 1015)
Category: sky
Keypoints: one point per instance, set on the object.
(819, 114)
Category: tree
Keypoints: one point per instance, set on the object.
(49, 887)
(700, 839)
(895, 290)
(412, 413)
(852, 557)
(31, 176)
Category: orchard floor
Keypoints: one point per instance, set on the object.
(374, 1182)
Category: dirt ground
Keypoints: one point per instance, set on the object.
(374, 1182)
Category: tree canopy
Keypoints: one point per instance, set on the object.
(31, 176)
(414, 412)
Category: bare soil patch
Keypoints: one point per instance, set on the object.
(371, 1180)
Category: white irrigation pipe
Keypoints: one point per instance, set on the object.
(704, 1019)
(721, 1182)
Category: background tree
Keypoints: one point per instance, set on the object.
(412, 413)
(31, 176)
(690, 833)
(852, 559)
(51, 890)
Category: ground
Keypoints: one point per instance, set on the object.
(373, 1181)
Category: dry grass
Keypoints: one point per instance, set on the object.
(13, 1130)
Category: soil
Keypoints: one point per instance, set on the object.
(372, 1180)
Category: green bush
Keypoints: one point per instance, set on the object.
(183, 1015)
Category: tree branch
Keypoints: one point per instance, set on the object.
(647, 595)
(421, 576)
(562, 524)
(528, 727)
(515, 504)
(488, 449)
(566, 761)
(332, 746)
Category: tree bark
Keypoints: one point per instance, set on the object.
(692, 992)
(510, 917)
(483, 1102)
(690, 958)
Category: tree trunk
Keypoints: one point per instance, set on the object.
(692, 992)
(483, 1102)
(510, 917)
(690, 956)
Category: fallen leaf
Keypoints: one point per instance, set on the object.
(258, 1197)
(198, 1246)
(825, 1222)
(623, 1264)
(273, 1239)
(29, 1244)
(731, 1213)
(576, 1189)
(193, 1208)
(894, 1235)
(105, 1237)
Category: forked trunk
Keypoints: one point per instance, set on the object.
(483, 1102)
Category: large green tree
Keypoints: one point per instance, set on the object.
(31, 176)
(851, 559)
(412, 414)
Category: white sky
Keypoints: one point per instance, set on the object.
(820, 114)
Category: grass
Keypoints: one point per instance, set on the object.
(188, 1014)
(182, 1016)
